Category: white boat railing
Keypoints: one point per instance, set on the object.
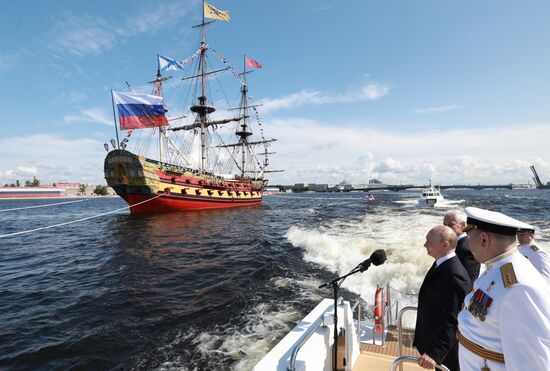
(400, 332)
(400, 360)
(308, 344)
(320, 322)
(385, 318)
(357, 305)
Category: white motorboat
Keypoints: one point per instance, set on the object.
(382, 344)
(430, 196)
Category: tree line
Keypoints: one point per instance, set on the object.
(34, 183)
(99, 190)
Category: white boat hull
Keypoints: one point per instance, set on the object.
(431, 202)
(316, 352)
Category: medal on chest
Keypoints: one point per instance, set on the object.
(479, 303)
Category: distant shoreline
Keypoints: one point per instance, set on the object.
(54, 198)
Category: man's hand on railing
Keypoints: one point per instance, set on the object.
(398, 362)
(426, 362)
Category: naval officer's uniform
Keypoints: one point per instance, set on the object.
(537, 256)
(505, 321)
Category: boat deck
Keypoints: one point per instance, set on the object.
(380, 358)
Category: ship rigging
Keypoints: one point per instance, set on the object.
(205, 159)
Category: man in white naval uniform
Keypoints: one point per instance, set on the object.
(505, 321)
(537, 256)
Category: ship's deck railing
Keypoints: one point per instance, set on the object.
(400, 332)
(400, 360)
(319, 322)
(386, 320)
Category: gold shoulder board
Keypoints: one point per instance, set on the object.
(534, 248)
(508, 275)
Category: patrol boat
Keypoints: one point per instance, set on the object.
(191, 159)
(430, 196)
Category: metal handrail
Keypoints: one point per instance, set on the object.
(400, 332)
(320, 321)
(402, 359)
(357, 305)
(388, 303)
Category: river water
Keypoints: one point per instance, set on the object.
(205, 290)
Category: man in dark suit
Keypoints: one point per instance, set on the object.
(439, 301)
(456, 220)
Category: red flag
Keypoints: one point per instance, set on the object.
(252, 63)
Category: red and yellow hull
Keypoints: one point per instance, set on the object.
(168, 202)
(149, 186)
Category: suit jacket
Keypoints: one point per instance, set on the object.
(439, 301)
(467, 259)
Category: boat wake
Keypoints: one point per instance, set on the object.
(340, 246)
(415, 202)
(239, 342)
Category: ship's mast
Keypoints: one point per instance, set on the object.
(202, 109)
(243, 130)
(164, 139)
(158, 90)
(243, 133)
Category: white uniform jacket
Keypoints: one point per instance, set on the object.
(539, 258)
(510, 314)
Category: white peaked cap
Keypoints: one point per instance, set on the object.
(492, 221)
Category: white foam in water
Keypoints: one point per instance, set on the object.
(248, 343)
(407, 202)
(448, 203)
(264, 326)
(415, 202)
(341, 246)
(244, 345)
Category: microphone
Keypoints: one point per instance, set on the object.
(378, 257)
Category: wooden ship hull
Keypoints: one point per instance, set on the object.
(150, 186)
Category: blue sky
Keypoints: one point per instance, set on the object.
(398, 90)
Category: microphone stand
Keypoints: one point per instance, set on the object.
(336, 283)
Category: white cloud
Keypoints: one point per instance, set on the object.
(437, 109)
(20, 172)
(11, 59)
(95, 115)
(155, 18)
(51, 158)
(70, 97)
(367, 91)
(310, 151)
(82, 35)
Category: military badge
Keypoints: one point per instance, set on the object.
(479, 304)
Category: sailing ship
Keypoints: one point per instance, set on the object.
(205, 161)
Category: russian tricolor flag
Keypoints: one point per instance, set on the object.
(138, 111)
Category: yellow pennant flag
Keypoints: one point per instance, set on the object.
(211, 12)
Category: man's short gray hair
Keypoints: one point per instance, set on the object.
(458, 215)
(445, 234)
